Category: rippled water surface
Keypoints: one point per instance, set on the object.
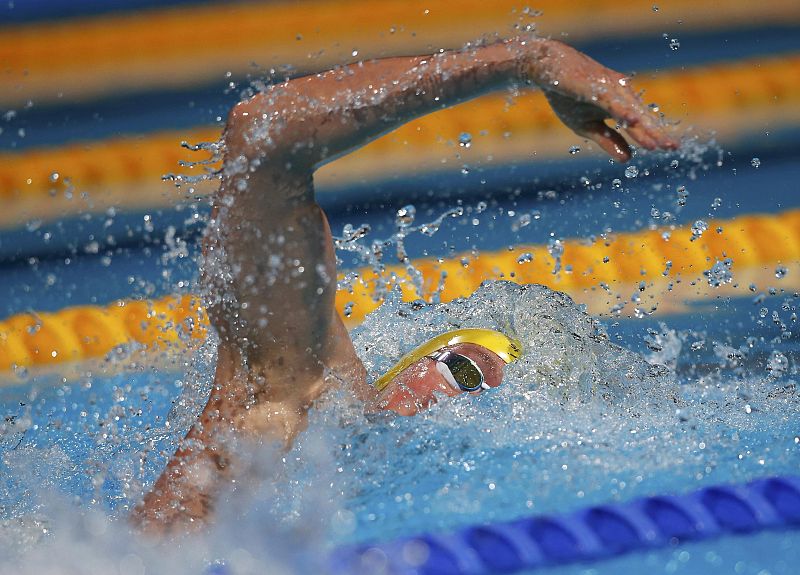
(578, 420)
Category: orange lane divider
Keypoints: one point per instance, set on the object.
(86, 332)
(183, 46)
(733, 98)
(173, 323)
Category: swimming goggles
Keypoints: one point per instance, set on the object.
(508, 349)
(459, 371)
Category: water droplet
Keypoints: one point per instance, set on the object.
(781, 271)
(698, 229)
(720, 273)
(54, 177)
(555, 247)
(653, 107)
(683, 194)
(33, 225)
(778, 363)
(525, 258)
(616, 183)
(465, 169)
(755, 162)
(348, 309)
(354, 53)
(674, 164)
(465, 140)
(405, 216)
(574, 150)
(674, 44)
(655, 8)
(631, 172)
(521, 222)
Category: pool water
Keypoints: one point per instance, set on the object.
(659, 382)
(578, 421)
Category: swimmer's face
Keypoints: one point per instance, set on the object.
(416, 387)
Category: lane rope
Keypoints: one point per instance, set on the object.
(174, 323)
(587, 535)
(95, 56)
(741, 95)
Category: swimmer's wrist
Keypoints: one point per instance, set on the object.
(530, 54)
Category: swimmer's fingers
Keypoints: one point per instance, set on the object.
(643, 126)
(649, 134)
(587, 120)
(609, 140)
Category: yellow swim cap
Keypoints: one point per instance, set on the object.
(508, 349)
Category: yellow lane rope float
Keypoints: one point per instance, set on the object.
(95, 56)
(173, 323)
(507, 348)
(105, 173)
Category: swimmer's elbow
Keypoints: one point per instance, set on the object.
(259, 128)
(237, 127)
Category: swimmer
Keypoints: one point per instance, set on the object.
(269, 266)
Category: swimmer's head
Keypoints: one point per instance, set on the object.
(465, 360)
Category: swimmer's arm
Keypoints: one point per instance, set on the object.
(317, 118)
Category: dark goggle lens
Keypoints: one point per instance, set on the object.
(466, 373)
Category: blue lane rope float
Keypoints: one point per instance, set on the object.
(586, 535)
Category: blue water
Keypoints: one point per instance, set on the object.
(93, 443)
(523, 449)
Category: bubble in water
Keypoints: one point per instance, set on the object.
(348, 309)
(525, 258)
(631, 172)
(616, 183)
(674, 44)
(465, 140)
(54, 177)
(781, 271)
(674, 164)
(755, 162)
(574, 150)
(655, 8)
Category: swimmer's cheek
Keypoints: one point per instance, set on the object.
(403, 401)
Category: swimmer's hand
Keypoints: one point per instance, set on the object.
(584, 93)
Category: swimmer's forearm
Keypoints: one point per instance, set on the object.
(317, 118)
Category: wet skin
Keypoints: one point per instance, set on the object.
(270, 268)
(420, 385)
